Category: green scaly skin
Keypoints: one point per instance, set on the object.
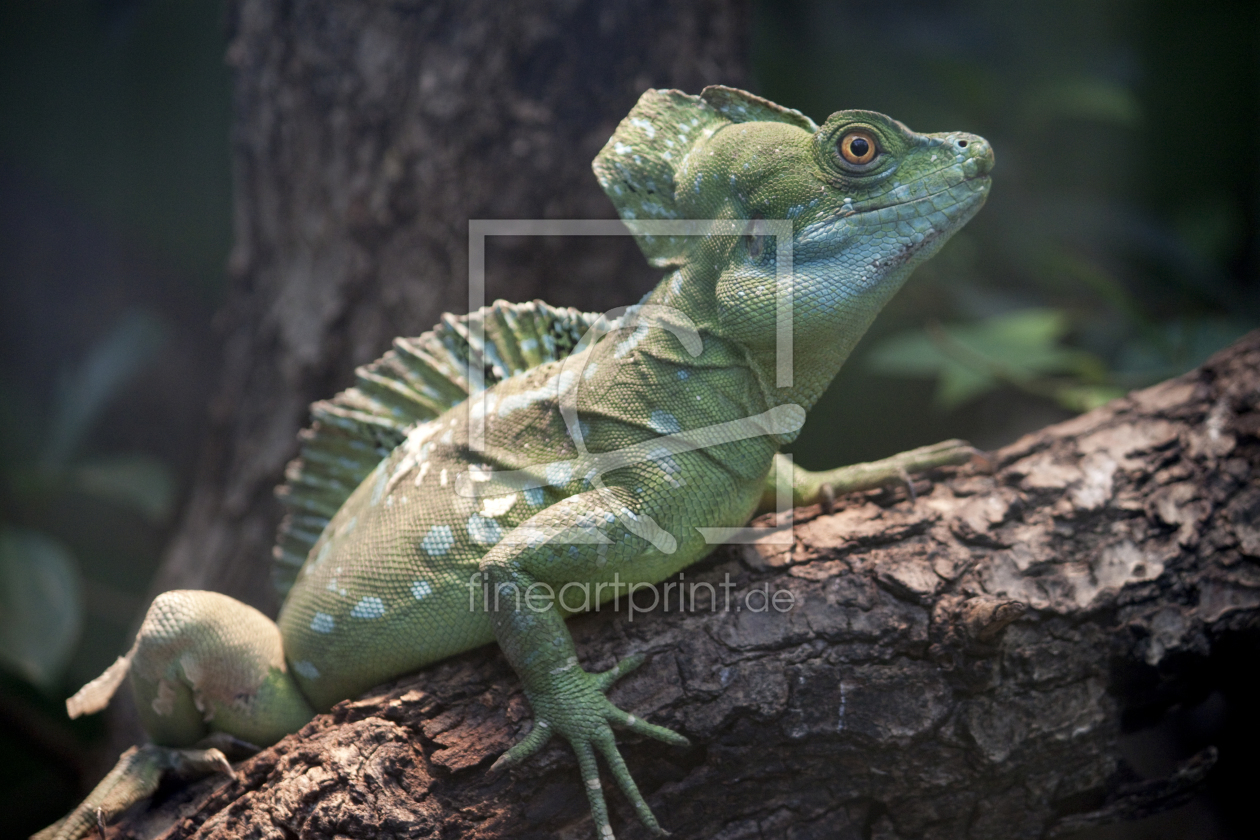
(435, 551)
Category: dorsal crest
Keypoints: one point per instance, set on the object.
(411, 384)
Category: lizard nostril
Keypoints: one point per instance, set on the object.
(962, 144)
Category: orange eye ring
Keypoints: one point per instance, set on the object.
(858, 147)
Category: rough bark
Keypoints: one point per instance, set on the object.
(366, 136)
(960, 664)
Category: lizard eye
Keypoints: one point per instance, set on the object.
(858, 147)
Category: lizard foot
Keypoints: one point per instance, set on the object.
(135, 776)
(823, 487)
(572, 704)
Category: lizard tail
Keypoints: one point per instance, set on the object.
(413, 383)
(96, 695)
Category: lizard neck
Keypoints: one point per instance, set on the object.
(829, 317)
(822, 341)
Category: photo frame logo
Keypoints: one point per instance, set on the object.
(782, 419)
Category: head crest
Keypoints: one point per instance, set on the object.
(637, 166)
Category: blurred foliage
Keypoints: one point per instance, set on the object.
(1019, 349)
(115, 197)
(41, 608)
(1120, 244)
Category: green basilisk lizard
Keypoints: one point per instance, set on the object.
(595, 455)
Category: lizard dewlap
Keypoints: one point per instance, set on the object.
(601, 452)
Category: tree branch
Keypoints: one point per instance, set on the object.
(957, 666)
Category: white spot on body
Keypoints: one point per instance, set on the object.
(549, 390)
(379, 488)
(632, 341)
(479, 409)
(405, 465)
(648, 128)
(421, 589)
(559, 473)
(439, 540)
(324, 551)
(369, 606)
(484, 531)
(534, 495)
(323, 623)
(497, 505)
(569, 664)
(306, 669)
(662, 422)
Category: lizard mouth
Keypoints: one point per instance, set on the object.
(979, 179)
(966, 204)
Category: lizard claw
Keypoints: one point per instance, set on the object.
(904, 475)
(827, 498)
(577, 709)
(524, 748)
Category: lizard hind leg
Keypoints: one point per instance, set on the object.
(206, 671)
(134, 777)
(204, 662)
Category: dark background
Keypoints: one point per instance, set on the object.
(1120, 246)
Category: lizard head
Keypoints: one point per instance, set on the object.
(865, 200)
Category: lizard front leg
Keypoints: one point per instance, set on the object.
(822, 487)
(589, 540)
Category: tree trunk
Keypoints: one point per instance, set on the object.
(367, 135)
(962, 664)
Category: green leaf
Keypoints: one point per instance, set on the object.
(907, 354)
(959, 383)
(41, 610)
(968, 360)
(108, 366)
(139, 482)
(1021, 344)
